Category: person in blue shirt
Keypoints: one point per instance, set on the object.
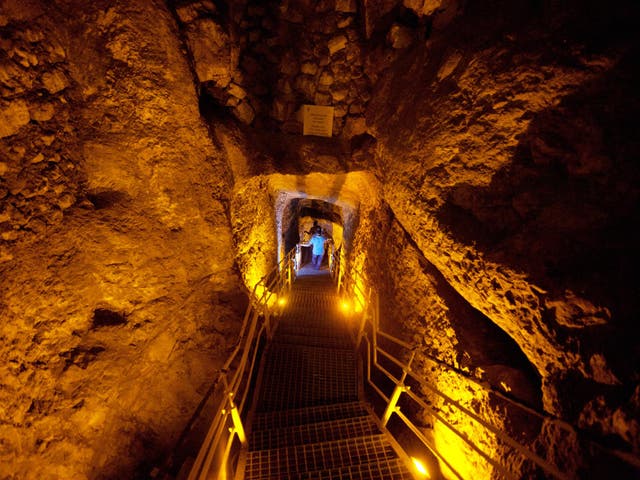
(317, 250)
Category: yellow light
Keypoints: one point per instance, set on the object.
(282, 301)
(420, 467)
(345, 306)
(467, 462)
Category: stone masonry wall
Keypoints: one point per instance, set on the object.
(270, 59)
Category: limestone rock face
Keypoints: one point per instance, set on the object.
(211, 50)
(38, 179)
(13, 115)
(429, 7)
(505, 170)
(481, 172)
(117, 293)
(377, 14)
(374, 11)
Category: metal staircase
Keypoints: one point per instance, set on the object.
(296, 382)
(309, 421)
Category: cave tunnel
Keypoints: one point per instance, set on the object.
(302, 214)
(472, 165)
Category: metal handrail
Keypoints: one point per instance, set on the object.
(258, 325)
(214, 456)
(353, 286)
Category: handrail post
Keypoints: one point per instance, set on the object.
(392, 407)
(287, 279)
(292, 272)
(361, 330)
(237, 421)
(267, 322)
(376, 314)
(365, 316)
(399, 390)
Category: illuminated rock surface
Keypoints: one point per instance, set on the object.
(118, 298)
(482, 166)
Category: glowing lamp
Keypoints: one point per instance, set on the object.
(345, 306)
(282, 301)
(421, 469)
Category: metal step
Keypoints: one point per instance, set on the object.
(331, 330)
(317, 341)
(387, 469)
(303, 416)
(312, 433)
(293, 462)
(314, 310)
(333, 325)
(308, 423)
(300, 376)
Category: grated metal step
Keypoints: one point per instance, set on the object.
(386, 469)
(315, 282)
(302, 416)
(308, 422)
(312, 331)
(288, 462)
(316, 341)
(325, 327)
(317, 316)
(313, 433)
(299, 376)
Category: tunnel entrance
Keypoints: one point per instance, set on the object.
(270, 215)
(299, 216)
(302, 218)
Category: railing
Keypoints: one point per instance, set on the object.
(336, 263)
(234, 383)
(383, 355)
(379, 361)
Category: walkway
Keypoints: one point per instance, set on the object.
(309, 421)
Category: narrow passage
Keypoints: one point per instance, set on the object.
(310, 421)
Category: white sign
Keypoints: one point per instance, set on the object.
(317, 120)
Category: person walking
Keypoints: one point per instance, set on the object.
(317, 250)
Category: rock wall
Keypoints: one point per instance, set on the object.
(268, 59)
(502, 136)
(465, 355)
(38, 176)
(118, 294)
(514, 177)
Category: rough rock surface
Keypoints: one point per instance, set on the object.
(488, 147)
(261, 224)
(117, 292)
(515, 179)
(265, 61)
